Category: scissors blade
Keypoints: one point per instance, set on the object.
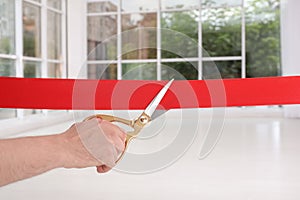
(157, 114)
(155, 102)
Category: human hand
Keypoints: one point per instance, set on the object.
(94, 142)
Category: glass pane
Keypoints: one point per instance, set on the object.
(176, 4)
(139, 71)
(179, 71)
(184, 43)
(263, 38)
(55, 4)
(138, 20)
(102, 71)
(55, 70)
(32, 69)
(218, 3)
(7, 67)
(56, 111)
(31, 30)
(139, 5)
(102, 42)
(139, 43)
(31, 112)
(7, 113)
(54, 36)
(222, 69)
(7, 27)
(222, 32)
(103, 6)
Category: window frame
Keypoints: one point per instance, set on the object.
(20, 59)
(200, 59)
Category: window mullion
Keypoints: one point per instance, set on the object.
(159, 41)
(19, 38)
(64, 38)
(33, 2)
(243, 40)
(119, 42)
(200, 56)
(19, 45)
(44, 26)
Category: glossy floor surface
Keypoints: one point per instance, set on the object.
(257, 157)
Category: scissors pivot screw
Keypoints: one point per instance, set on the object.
(144, 119)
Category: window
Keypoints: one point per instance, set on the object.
(262, 20)
(241, 37)
(40, 25)
(7, 27)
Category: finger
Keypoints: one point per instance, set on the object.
(99, 119)
(103, 169)
(122, 135)
(119, 144)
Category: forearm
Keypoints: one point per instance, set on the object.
(27, 157)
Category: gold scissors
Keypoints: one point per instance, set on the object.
(139, 123)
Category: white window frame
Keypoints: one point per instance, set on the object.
(159, 59)
(19, 58)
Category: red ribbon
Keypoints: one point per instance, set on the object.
(130, 94)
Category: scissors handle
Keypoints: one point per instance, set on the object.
(137, 125)
(111, 118)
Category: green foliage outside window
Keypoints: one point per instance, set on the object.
(29, 45)
(263, 38)
(7, 67)
(5, 45)
(221, 35)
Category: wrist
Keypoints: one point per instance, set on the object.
(57, 150)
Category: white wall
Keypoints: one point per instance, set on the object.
(290, 41)
(77, 36)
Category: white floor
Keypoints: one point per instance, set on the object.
(256, 158)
